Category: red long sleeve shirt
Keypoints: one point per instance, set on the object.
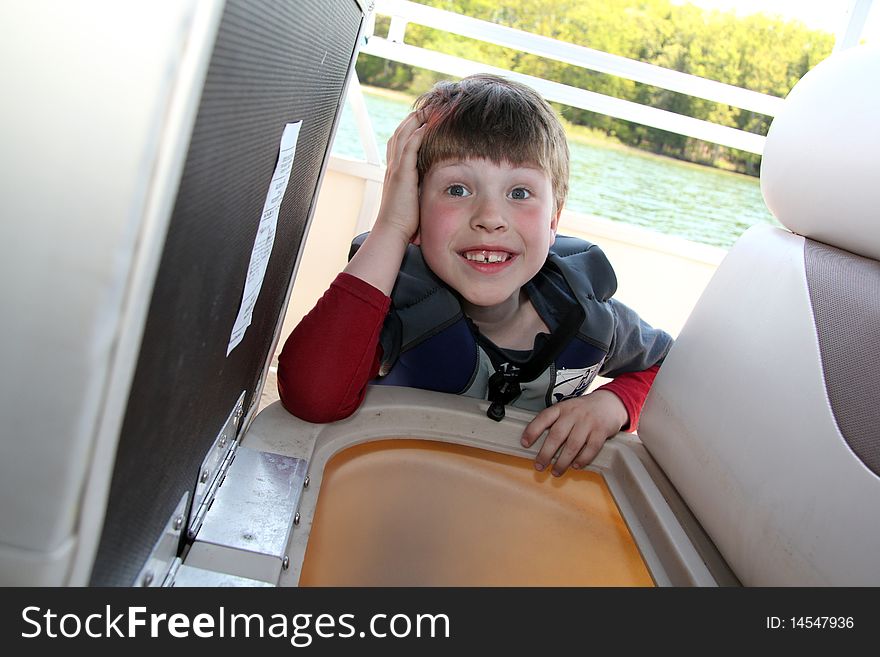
(342, 330)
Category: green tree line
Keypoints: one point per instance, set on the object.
(758, 52)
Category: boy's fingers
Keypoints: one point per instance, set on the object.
(417, 117)
(539, 425)
(410, 123)
(557, 435)
(414, 141)
(576, 440)
(402, 170)
(589, 451)
(405, 142)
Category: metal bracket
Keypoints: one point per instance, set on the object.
(214, 466)
(247, 530)
(163, 560)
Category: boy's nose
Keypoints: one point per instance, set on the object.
(488, 216)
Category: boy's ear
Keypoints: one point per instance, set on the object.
(554, 223)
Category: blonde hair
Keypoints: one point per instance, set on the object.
(487, 116)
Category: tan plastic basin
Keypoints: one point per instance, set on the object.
(422, 513)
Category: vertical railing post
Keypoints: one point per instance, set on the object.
(851, 31)
(372, 189)
(397, 29)
(362, 120)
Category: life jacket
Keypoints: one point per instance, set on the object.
(428, 342)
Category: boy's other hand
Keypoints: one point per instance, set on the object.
(580, 426)
(399, 210)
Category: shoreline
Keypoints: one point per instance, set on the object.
(577, 133)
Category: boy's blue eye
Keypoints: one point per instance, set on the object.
(457, 190)
(520, 194)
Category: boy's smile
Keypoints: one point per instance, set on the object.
(486, 228)
(488, 259)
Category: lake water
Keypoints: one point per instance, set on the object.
(621, 184)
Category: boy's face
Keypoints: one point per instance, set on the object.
(486, 228)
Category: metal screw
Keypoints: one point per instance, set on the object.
(306, 482)
(148, 579)
(204, 476)
(178, 523)
(285, 563)
(222, 442)
(296, 518)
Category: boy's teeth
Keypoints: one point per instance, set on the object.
(487, 256)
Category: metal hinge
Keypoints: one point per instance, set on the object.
(214, 467)
(164, 559)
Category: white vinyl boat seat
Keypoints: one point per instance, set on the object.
(153, 230)
(765, 414)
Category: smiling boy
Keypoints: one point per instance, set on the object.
(463, 286)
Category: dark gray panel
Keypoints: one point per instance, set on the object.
(274, 62)
(845, 294)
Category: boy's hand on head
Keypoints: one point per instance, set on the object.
(378, 260)
(580, 425)
(399, 210)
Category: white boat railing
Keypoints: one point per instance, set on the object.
(394, 47)
(402, 13)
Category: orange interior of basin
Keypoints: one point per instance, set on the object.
(420, 513)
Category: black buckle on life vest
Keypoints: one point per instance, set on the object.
(504, 383)
(503, 389)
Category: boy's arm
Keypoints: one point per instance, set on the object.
(632, 388)
(378, 259)
(637, 351)
(577, 428)
(636, 346)
(332, 354)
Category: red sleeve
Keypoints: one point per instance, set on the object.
(632, 388)
(334, 351)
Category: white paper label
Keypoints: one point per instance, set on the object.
(265, 234)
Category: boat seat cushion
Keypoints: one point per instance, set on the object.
(765, 412)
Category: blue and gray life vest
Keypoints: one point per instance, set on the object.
(428, 342)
